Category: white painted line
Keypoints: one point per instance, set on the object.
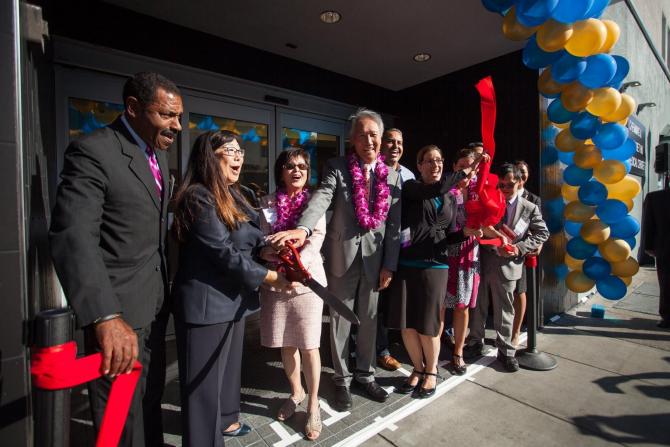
(389, 389)
(403, 371)
(83, 421)
(391, 427)
(334, 415)
(257, 405)
(286, 438)
(170, 407)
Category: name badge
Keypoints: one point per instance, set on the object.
(521, 227)
(405, 238)
(459, 199)
(270, 215)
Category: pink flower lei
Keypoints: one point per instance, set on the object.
(289, 210)
(366, 219)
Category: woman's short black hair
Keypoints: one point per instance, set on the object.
(284, 157)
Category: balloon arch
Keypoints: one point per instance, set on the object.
(568, 41)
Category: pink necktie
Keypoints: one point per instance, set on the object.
(155, 170)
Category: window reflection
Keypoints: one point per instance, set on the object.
(321, 147)
(86, 115)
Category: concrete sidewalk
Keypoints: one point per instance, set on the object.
(611, 387)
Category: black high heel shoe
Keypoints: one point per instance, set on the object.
(456, 367)
(425, 393)
(406, 387)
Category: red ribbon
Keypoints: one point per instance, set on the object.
(58, 367)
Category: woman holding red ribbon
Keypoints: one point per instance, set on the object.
(291, 319)
(215, 288)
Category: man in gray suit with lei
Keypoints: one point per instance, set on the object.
(361, 247)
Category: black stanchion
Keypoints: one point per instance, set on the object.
(52, 408)
(531, 358)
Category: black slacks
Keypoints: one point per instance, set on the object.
(663, 273)
(210, 366)
(151, 344)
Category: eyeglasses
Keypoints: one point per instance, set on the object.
(503, 185)
(291, 166)
(230, 151)
(434, 161)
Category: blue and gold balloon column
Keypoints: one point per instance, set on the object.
(571, 44)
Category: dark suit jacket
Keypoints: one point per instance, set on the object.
(428, 228)
(108, 228)
(218, 279)
(656, 224)
(532, 198)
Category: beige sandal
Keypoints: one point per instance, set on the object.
(288, 408)
(313, 425)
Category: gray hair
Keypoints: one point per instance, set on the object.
(392, 129)
(365, 113)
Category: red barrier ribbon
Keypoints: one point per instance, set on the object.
(58, 367)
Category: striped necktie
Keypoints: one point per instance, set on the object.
(155, 170)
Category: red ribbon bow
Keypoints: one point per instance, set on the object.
(58, 367)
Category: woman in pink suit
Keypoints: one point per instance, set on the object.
(291, 320)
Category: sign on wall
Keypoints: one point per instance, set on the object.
(637, 131)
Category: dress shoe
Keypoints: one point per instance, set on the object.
(406, 387)
(342, 399)
(473, 350)
(425, 393)
(388, 363)
(242, 430)
(456, 366)
(511, 364)
(664, 324)
(374, 391)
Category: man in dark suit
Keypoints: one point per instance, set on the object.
(108, 244)
(656, 243)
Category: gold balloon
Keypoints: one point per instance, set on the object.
(562, 125)
(575, 97)
(622, 113)
(605, 102)
(579, 282)
(546, 84)
(629, 204)
(626, 280)
(552, 35)
(613, 33)
(629, 267)
(627, 188)
(513, 30)
(569, 192)
(587, 156)
(588, 37)
(595, 231)
(572, 263)
(578, 212)
(566, 142)
(614, 250)
(610, 171)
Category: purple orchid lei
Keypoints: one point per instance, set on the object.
(289, 210)
(366, 219)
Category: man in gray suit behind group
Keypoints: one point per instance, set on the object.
(359, 262)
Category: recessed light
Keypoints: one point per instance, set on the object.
(421, 57)
(330, 17)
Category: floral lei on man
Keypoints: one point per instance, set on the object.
(289, 210)
(366, 219)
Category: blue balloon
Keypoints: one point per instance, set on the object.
(499, 6)
(622, 69)
(597, 9)
(596, 268)
(566, 157)
(593, 193)
(558, 114)
(578, 248)
(631, 241)
(621, 153)
(611, 288)
(576, 176)
(561, 271)
(572, 228)
(534, 12)
(554, 207)
(600, 69)
(625, 228)
(535, 58)
(584, 125)
(610, 136)
(611, 211)
(569, 11)
(568, 68)
(626, 163)
(549, 134)
(549, 156)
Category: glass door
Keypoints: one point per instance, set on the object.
(322, 137)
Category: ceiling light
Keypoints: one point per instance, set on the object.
(330, 17)
(421, 57)
(627, 85)
(644, 105)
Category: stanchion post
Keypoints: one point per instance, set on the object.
(531, 358)
(52, 408)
